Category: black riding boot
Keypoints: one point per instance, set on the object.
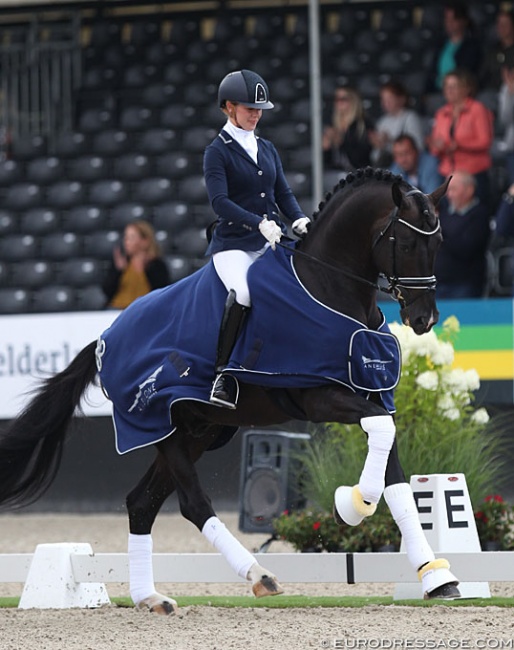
(225, 389)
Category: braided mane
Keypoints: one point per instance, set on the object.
(356, 179)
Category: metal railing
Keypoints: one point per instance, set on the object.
(40, 72)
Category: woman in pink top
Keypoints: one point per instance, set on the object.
(462, 132)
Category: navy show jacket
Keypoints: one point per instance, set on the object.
(242, 192)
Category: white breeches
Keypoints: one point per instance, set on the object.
(232, 268)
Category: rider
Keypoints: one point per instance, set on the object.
(247, 187)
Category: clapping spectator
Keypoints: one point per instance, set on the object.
(346, 144)
(396, 119)
(419, 168)
(461, 262)
(496, 57)
(136, 269)
(462, 132)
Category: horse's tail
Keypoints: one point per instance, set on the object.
(31, 447)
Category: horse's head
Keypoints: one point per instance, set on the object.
(404, 251)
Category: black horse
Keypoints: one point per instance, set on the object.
(373, 224)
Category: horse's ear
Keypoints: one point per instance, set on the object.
(397, 194)
(438, 194)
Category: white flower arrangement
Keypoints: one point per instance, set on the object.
(428, 360)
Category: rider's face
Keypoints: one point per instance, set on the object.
(244, 117)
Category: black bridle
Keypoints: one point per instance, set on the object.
(395, 282)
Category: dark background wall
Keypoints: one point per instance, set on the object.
(94, 478)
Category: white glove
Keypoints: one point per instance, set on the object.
(271, 231)
(300, 227)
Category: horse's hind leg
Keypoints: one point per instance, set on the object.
(143, 505)
(435, 575)
(196, 506)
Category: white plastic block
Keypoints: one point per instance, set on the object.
(51, 584)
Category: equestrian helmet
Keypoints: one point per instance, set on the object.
(244, 87)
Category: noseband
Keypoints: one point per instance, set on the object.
(395, 282)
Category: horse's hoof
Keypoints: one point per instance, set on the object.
(267, 586)
(159, 604)
(448, 591)
(438, 581)
(349, 506)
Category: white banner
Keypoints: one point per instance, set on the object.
(36, 346)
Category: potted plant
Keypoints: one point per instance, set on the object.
(494, 520)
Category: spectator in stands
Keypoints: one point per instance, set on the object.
(419, 168)
(461, 49)
(505, 116)
(462, 132)
(502, 242)
(346, 143)
(136, 269)
(396, 119)
(461, 262)
(496, 57)
(504, 218)
(246, 186)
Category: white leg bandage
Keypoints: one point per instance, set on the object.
(232, 550)
(401, 503)
(381, 431)
(140, 567)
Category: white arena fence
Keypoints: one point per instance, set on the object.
(350, 568)
(71, 575)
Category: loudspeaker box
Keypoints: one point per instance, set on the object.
(270, 477)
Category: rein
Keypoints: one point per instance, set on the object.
(396, 283)
(327, 265)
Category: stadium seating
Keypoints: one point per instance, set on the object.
(11, 171)
(14, 300)
(54, 298)
(147, 107)
(16, 247)
(8, 222)
(32, 274)
(39, 221)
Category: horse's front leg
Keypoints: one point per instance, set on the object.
(196, 506)
(435, 575)
(352, 504)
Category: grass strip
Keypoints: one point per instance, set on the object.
(287, 602)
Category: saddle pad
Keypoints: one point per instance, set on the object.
(374, 362)
(162, 348)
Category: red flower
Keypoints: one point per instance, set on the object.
(316, 525)
(494, 497)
